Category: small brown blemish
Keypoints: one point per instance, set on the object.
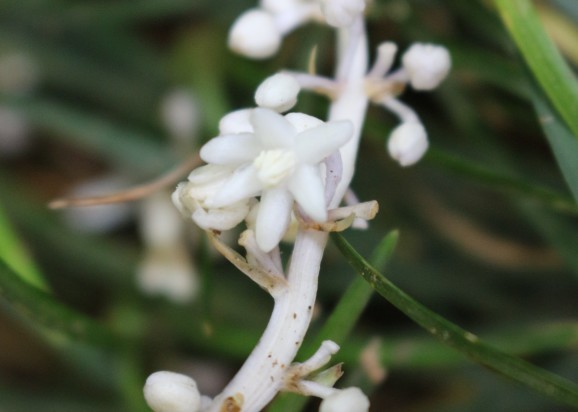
(233, 403)
(294, 315)
(297, 343)
(308, 307)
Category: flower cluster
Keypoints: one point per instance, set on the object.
(272, 156)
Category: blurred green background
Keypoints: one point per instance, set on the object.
(488, 221)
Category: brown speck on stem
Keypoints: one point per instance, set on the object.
(233, 403)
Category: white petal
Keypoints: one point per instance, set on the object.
(272, 129)
(231, 149)
(273, 217)
(307, 188)
(209, 173)
(236, 122)
(221, 219)
(315, 144)
(302, 121)
(241, 185)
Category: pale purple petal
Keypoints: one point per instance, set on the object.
(273, 217)
(313, 145)
(306, 186)
(241, 185)
(231, 149)
(272, 129)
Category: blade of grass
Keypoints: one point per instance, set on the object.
(540, 380)
(499, 181)
(125, 148)
(563, 145)
(543, 58)
(15, 256)
(46, 314)
(342, 320)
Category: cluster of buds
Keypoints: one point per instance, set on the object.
(275, 170)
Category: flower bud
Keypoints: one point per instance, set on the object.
(342, 13)
(172, 392)
(255, 34)
(345, 400)
(427, 65)
(278, 92)
(408, 143)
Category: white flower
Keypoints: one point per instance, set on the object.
(277, 162)
(427, 65)
(408, 143)
(342, 13)
(345, 400)
(172, 392)
(278, 92)
(255, 34)
(191, 198)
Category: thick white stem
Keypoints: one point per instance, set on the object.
(262, 375)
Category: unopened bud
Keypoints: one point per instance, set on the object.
(278, 92)
(345, 400)
(408, 143)
(255, 34)
(172, 392)
(427, 65)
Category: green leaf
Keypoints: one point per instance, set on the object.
(15, 256)
(543, 58)
(564, 146)
(540, 380)
(46, 314)
(128, 149)
(505, 183)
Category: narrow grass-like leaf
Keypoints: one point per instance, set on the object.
(564, 146)
(343, 318)
(505, 183)
(543, 58)
(125, 148)
(14, 254)
(48, 315)
(539, 380)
